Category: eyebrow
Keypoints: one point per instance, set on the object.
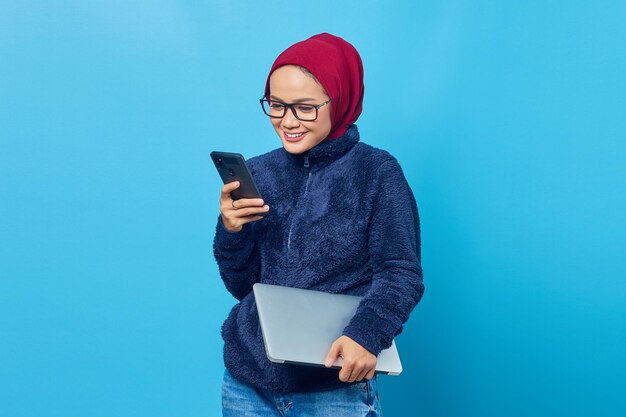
(300, 100)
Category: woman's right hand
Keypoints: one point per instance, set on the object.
(236, 213)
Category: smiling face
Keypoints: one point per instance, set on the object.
(290, 84)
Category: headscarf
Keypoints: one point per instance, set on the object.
(338, 67)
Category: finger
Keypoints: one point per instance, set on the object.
(248, 202)
(248, 211)
(345, 373)
(361, 374)
(243, 203)
(251, 219)
(371, 373)
(335, 349)
(356, 371)
(227, 188)
(235, 219)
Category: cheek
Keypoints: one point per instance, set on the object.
(326, 125)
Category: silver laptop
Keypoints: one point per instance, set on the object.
(299, 326)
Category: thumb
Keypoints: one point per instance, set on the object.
(335, 350)
(228, 187)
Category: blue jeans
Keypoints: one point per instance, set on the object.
(242, 400)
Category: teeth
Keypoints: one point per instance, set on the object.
(294, 136)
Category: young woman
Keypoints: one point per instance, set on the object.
(338, 216)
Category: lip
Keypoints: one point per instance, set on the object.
(299, 138)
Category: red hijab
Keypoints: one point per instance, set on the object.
(338, 67)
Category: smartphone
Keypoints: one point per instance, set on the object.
(232, 167)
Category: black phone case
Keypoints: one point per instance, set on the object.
(232, 167)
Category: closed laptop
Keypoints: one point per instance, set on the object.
(299, 326)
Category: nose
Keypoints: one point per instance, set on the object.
(289, 120)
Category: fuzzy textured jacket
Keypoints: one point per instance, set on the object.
(342, 219)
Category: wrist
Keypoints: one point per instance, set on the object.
(230, 229)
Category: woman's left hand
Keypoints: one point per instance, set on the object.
(358, 362)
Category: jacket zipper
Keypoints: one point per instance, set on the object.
(306, 189)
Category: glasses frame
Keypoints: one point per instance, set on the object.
(293, 110)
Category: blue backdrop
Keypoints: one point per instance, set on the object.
(508, 118)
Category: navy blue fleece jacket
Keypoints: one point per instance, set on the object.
(342, 219)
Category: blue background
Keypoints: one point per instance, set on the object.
(508, 118)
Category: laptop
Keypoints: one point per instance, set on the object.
(300, 325)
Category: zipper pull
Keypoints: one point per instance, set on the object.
(306, 161)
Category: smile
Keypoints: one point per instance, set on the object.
(293, 137)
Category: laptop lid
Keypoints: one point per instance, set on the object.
(300, 325)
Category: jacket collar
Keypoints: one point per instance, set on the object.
(328, 151)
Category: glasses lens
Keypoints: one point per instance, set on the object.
(273, 108)
(306, 112)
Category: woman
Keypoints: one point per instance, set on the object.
(338, 216)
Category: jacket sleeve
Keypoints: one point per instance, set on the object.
(395, 254)
(237, 257)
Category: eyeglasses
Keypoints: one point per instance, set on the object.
(277, 109)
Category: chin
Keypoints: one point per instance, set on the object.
(294, 148)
